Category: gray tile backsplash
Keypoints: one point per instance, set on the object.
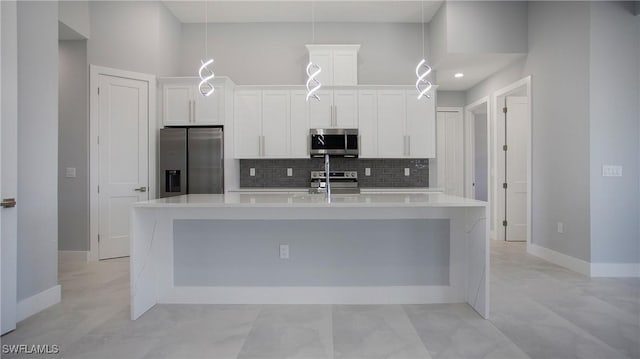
(387, 172)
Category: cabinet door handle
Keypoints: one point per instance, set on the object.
(263, 146)
(408, 145)
(259, 146)
(194, 111)
(189, 119)
(335, 116)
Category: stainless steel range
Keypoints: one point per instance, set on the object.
(345, 182)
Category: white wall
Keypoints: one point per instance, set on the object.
(37, 147)
(584, 60)
(451, 99)
(140, 36)
(486, 26)
(274, 53)
(614, 126)
(75, 14)
(558, 61)
(73, 207)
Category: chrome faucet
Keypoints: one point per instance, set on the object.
(327, 168)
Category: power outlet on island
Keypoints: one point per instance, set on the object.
(284, 251)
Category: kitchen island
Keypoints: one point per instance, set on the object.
(297, 248)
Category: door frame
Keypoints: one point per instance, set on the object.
(469, 151)
(94, 165)
(433, 177)
(522, 84)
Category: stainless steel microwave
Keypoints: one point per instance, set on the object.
(334, 142)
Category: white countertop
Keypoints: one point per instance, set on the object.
(362, 189)
(294, 200)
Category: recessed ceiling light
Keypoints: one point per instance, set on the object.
(458, 75)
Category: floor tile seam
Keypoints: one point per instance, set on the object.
(566, 323)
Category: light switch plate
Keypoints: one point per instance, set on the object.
(289, 172)
(70, 172)
(611, 171)
(367, 171)
(252, 172)
(284, 251)
(407, 171)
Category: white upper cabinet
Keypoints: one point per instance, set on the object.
(299, 124)
(183, 105)
(336, 109)
(276, 120)
(271, 123)
(247, 112)
(393, 123)
(392, 137)
(339, 63)
(368, 123)
(421, 126)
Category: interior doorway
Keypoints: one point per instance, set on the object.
(449, 165)
(477, 144)
(511, 162)
(122, 165)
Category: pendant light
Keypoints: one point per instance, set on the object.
(423, 69)
(313, 70)
(206, 74)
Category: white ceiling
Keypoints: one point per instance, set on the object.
(476, 67)
(239, 11)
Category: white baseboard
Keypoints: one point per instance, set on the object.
(563, 260)
(615, 270)
(73, 256)
(39, 302)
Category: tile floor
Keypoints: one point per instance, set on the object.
(539, 310)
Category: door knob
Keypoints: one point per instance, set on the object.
(8, 203)
(141, 189)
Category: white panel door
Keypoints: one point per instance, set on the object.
(8, 181)
(321, 112)
(123, 159)
(207, 109)
(324, 59)
(449, 157)
(247, 114)
(421, 127)
(276, 119)
(516, 162)
(345, 108)
(177, 104)
(392, 141)
(345, 68)
(299, 124)
(368, 123)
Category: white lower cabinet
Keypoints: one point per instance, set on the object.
(271, 124)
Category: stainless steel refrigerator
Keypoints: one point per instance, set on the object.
(191, 161)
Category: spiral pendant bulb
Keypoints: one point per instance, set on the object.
(422, 84)
(313, 85)
(206, 76)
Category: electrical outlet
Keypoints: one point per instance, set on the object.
(70, 172)
(407, 171)
(611, 171)
(560, 227)
(367, 171)
(289, 172)
(252, 172)
(284, 251)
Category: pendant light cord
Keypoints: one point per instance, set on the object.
(422, 5)
(206, 28)
(313, 23)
